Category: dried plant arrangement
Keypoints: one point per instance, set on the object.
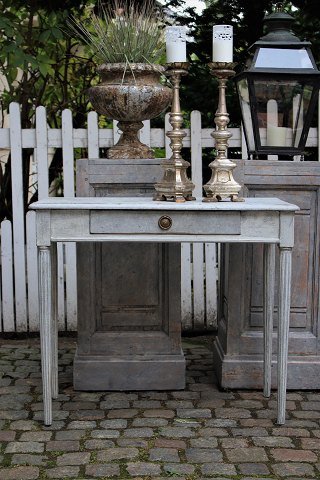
(123, 32)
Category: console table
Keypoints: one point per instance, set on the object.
(269, 221)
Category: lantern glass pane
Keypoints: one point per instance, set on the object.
(243, 92)
(283, 58)
(281, 107)
(302, 108)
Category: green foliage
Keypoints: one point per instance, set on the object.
(40, 66)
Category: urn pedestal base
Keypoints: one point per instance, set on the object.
(239, 345)
(129, 302)
(125, 372)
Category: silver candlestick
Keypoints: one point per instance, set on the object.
(222, 184)
(175, 185)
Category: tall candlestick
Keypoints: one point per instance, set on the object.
(222, 184)
(222, 43)
(175, 185)
(176, 44)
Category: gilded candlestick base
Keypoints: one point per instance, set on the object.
(222, 185)
(175, 185)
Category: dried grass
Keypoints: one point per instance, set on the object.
(123, 32)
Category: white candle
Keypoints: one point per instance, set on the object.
(222, 43)
(176, 44)
(278, 136)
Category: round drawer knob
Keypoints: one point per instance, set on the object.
(165, 222)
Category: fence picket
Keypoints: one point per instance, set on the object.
(42, 152)
(211, 279)
(32, 272)
(145, 132)
(186, 287)
(196, 153)
(70, 248)
(115, 131)
(19, 256)
(7, 277)
(167, 140)
(93, 135)
(198, 286)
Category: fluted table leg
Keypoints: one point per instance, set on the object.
(283, 328)
(54, 349)
(268, 308)
(45, 329)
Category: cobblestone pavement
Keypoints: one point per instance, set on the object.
(198, 433)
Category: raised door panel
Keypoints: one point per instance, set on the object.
(129, 286)
(303, 268)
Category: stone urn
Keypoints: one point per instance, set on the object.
(130, 94)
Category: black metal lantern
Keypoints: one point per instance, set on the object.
(278, 91)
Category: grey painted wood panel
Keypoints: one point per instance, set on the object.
(239, 345)
(129, 329)
(148, 222)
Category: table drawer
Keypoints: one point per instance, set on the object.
(165, 222)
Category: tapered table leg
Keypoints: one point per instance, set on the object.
(268, 308)
(54, 348)
(45, 329)
(283, 328)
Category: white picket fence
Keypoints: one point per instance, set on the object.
(19, 280)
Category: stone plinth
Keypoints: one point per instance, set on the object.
(129, 320)
(239, 345)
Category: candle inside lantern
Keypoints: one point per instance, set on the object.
(278, 136)
(176, 44)
(222, 43)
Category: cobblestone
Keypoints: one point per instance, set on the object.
(35, 437)
(98, 444)
(179, 469)
(63, 472)
(200, 432)
(210, 442)
(194, 413)
(218, 469)
(24, 447)
(138, 432)
(291, 455)
(28, 459)
(111, 454)
(18, 473)
(101, 470)
(253, 454)
(63, 445)
(141, 468)
(166, 443)
(203, 455)
(301, 470)
(70, 434)
(254, 469)
(76, 458)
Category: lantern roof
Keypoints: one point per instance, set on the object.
(281, 50)
(278, 25)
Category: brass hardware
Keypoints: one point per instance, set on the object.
(165, 222)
